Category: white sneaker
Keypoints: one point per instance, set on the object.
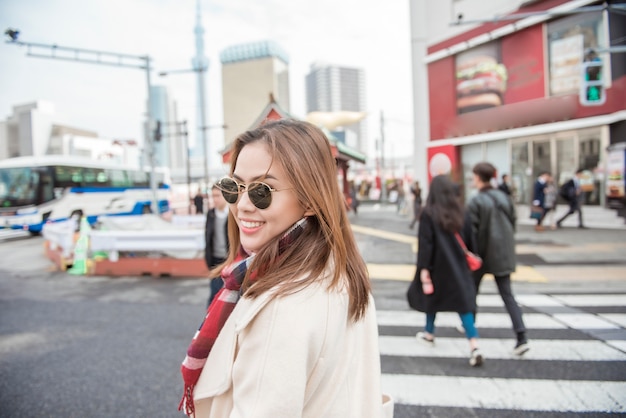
(476, 358)
(421, 337)
(521, 348)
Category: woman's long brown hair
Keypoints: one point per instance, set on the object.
(305, 153)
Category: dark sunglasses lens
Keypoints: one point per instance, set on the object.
(230, 190)
(260, 195)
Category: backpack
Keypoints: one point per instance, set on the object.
(564, 191)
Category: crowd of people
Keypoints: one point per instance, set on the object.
(545, 198)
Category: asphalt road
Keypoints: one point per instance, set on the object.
(75, 346)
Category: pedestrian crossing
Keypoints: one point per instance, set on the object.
(576, 364)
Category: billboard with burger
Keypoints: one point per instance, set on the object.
(480, 78)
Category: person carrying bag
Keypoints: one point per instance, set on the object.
(443, 280)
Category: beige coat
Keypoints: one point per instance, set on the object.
(293, 356)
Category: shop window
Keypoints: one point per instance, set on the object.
(566, 160)
(520, 178)
(589, 160)
(541, 157)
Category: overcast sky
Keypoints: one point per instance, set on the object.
(369, 34)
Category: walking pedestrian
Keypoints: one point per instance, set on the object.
(550, 202)
(539, 198)
(216, 238)
(493, 223)
(293, 333)
(504, 185)
(447, 283)
(573, 194)
(198, 202)
(416, 191)
(354, 198)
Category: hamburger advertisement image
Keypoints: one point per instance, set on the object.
(480, 79)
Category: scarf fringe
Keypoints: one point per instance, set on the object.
(187, 402)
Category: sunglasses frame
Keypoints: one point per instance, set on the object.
(243, 188)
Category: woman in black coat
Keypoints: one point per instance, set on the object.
(447, 284)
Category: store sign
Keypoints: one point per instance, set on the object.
(441, 160)
(616, 181)
(566, 56)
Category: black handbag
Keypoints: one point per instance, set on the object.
(413, 293)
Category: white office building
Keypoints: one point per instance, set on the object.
(331, 88)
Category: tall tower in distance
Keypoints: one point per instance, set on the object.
(251, 74)
(331, 88)
(200, 65)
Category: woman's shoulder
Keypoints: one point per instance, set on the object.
(311, 288)
(314, 304)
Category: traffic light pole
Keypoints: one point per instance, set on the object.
(181, 130)
(91, 56)
(150, 141)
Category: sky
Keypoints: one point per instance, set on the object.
(370, 34)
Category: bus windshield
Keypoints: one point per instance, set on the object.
(18, 186)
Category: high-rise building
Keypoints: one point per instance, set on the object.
(31, 130)
(331, 88)
(27, 130)
(251, 73)
(167, 150)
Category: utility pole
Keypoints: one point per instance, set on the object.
(200, 65)
(181, 131)
(383, 186)
(185, 134)
(91, 56)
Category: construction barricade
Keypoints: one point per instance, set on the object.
(143, 245)
(147, 246)
(59, 243)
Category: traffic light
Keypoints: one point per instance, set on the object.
(592, 91)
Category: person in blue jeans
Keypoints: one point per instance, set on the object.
(442, 269)
(493, 223)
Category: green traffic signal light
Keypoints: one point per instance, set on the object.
(592, 91)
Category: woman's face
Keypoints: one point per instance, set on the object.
(257, 226)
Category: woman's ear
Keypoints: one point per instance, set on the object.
(308, 212)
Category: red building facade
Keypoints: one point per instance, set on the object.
(508, 92)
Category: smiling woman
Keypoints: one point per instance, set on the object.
(295, 324)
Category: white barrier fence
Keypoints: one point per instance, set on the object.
(181, 237)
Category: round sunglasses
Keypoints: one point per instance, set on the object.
(259, 193)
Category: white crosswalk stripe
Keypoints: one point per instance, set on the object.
(570, 350)
(516, 394)
(571, 336)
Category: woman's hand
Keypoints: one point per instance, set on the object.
(427, 284)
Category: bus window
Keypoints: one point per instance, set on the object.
(66, 176)
(140, 179)
(95, 177)
(47, 189)
(17, 186)
(102, 179)
(118, 178)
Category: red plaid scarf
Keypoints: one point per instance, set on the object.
(217, 314)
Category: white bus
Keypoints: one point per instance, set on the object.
(52, 188)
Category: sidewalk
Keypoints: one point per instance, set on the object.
(594, 217)
(566, 254)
